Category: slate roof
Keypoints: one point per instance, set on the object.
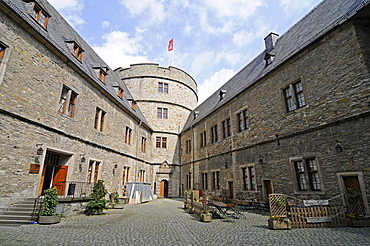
(60, 35)
(323, 18)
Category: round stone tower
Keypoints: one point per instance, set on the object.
(166, 96)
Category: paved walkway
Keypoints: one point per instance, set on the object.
(164, 222)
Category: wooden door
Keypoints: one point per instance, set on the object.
(231, 190)
(268, 188)
(60, 178)
(163, 190)
(353, 195)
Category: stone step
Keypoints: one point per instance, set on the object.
(17, 212)
(15, 217)
(20, 209)
(14, 222)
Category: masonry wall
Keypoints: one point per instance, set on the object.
(334, 72)
(30, 91)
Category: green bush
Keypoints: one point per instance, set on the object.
(50, 202)
(97, 202)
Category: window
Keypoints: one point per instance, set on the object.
(67, 102)
(142, 176)
(162, 113)
(128, 135)
(77, 51)
(120, 92)
(161, 142)
(125, 175)
(93, 172)
(204, 181)
(243, 120)
(39, 15)
(99, 119)
(103, 75)
(294, 97)
(162, 87)
(133, 105)
(216, 180)
(307, 175)
(2, 50)
(203, 139)
(248, 178)
(143, 144)
(214, 134)
(188, 146)
(188, 181)
(226, 128)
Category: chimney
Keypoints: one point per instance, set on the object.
(270, 41)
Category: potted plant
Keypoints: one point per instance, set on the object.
(48, 213)
(117, 203)
(279, 223)
(206, 216)
(97, 199)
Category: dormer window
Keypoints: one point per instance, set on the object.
(133, 105)
(39, 15)
(77, 51)
(120, 92)
(222, 94)
(2, 50)
(269, 58)
(103, 75)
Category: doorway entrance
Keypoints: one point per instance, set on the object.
(267, 184)
(53, 174)
(163, 191)
(231, 190)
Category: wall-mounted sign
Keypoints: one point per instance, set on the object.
(309, 203)
(311, 220)
(34, 168)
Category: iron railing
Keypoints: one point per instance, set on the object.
(74, 189)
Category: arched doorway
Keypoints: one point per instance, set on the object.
(163, 191)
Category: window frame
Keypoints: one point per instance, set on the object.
(243, 120)
(103, 75)
(143, 144)
(128, 134)
(125, 175)
(204, 180)
(294, 96)
(37, 12)
(93, 171)
(226, 128)
(214, 134)
(203, 139)
(188, 146)
(3, 47)
(162, 87)
(162, 113)
(161, 142)
(248, 173)
(100, 116)
(310, 178)
(215, 180)
(67, 102)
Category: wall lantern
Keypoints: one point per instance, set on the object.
(40, 150)
(338, 148)
(260, 161)
(83, 158)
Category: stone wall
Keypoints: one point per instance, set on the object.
(334, 73)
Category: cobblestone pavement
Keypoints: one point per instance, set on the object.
(164, 222)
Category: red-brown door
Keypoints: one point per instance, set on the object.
(60, 178)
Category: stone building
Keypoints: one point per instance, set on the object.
(67, 119)
(296, 120)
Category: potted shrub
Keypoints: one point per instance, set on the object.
(206, 216)
(279, 223)
(48, 213)
(97, 199)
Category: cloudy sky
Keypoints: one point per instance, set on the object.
(213, 39)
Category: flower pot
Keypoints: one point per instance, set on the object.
(206, 217)
(45, 220)
(279, 225)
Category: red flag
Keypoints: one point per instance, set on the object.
(170, 45)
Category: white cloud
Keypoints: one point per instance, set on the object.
(71, 11)
(243, 38)
(105, 24)
(211, 84)
(228, 56)
(58, 4)
(234, 8)
(294, 7)
(201, 61)
(119, 50)
(138, 7)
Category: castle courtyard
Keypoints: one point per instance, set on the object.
(165, 222)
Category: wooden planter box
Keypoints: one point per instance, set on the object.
(46, 220)
(279, 225)
(206, 217)
(355, 222)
